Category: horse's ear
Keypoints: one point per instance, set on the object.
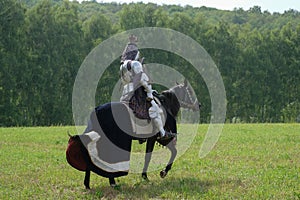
(185, 82)
(162, 97)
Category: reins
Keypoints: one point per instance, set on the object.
(188, 96)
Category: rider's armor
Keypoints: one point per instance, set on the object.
(133, 77)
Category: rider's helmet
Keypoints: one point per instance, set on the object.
(131, 51)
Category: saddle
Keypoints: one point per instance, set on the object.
(139, 104)
(138, 107)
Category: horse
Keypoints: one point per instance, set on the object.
(178, 96)
(116, 141)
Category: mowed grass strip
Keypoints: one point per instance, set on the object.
(250, 161)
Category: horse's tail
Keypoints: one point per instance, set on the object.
(69, 134)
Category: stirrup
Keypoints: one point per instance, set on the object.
(167, 135)
(149, 99)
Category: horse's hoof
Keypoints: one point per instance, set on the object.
(163, 173)
(115, 186)
(145, 177)
(87, 186)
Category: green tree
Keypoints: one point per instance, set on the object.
(11, 62)
(96, 29)
(289, 68)
(160, 18)
(68, 56)
(132, 16)
(54, 42)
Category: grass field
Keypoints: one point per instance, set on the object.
(250, 161)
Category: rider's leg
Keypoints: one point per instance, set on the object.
(155, 114)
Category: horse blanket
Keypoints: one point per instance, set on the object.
(108, 137)
(107, 140)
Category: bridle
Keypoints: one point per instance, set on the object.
(187, 98)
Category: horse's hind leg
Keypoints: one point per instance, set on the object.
(171, 146)
(149, 150)
(112, 182)
(87, 179)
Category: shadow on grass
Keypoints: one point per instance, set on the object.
(176, 187)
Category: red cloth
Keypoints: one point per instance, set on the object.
(75, 155)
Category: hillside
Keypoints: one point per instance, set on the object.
(43, 43)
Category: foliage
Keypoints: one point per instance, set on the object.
(43, 43)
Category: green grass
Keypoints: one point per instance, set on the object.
(250, 161)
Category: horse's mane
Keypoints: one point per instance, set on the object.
(170, 102)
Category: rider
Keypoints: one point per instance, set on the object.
(133, 75)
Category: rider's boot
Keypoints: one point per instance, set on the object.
(155, 114)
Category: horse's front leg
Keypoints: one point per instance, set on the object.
(87, 179)
(171, 146)
(149, 150)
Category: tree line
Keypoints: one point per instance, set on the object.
(43, 43)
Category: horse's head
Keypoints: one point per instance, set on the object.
(186, 96)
